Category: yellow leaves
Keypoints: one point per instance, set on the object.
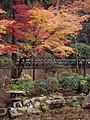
(25, 77)
(39, 15)
(60, 23)
(2, 46)
(63, 51)
(49, 28)
(2, 11)
(25, 47)
(58, 47)
(3, 25)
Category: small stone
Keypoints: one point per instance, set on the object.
(86, 102)
(37, 105)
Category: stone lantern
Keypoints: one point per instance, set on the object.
(15, 97)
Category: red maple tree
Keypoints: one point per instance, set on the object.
(44, 30)
(4, 46)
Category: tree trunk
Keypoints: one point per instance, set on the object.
(28, 2)
(14, 55)
(77, 64)
(21, 65)
(17, 70)
(57, 4)
(84, 65)
(77, 59)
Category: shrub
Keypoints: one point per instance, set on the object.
(25, 85)
(41, 87)
(87, 79)
(85, 84)
(70, 83)
(66, 73)
(53, 84)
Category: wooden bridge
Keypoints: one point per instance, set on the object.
(39, 63)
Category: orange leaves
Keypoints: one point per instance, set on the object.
(4, 23)
(60, 22)
(87, 5)
(63, 51)
(46, 29)
(83, 4)
(5, 48)
(49, 28)
(2, 26)
(2, 11)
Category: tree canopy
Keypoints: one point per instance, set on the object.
(5, 47)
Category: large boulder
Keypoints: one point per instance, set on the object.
(55, 100)
(86, 102)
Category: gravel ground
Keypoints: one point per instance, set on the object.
(58, 114)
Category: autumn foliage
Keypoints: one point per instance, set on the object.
(83, 4)
(45, 30)
(4, 47)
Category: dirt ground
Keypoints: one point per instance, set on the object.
(58, 114)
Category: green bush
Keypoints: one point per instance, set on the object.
(25, 85)
(66, 73)
(53, 84)
(41, 87)
(87, 78)
(85, 84)
(70, 83)
(67, 83)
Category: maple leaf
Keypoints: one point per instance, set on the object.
(82, 4)
(2, 11)
(4, 47)
(8, 48)
(46, 29)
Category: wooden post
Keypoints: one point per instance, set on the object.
(33, 68)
